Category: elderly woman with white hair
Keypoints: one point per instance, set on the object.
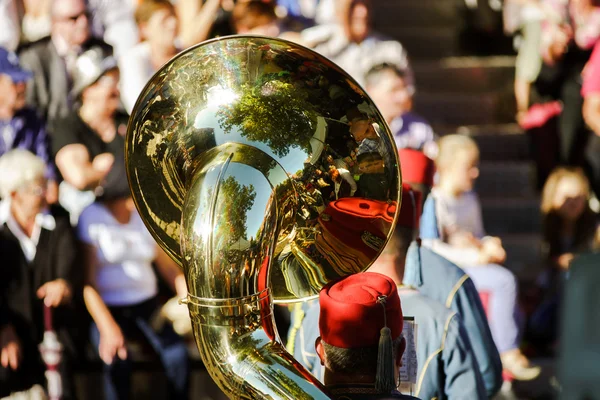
(39, 260)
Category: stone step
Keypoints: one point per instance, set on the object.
(523, 254)
(518, 215)
(500, 142)
(506, 179)
(418, 13)
(424, 42)
(465, 74)
(465, 108)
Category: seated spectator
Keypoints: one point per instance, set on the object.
(120, 289)
(373, 182)
(255, 17)
(393, 95)
(441, 280)
(360, 342)
(447, 367)
(91, 137)
(459, 237)
(570, 227)
(40, 268)
(352, 45)
(162, 38)
(52, 60)
(375, 153)
(20, 127)
(158, 28)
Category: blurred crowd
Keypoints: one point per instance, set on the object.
(73, 243)
(557, 78)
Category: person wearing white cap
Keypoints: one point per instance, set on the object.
(91, 137)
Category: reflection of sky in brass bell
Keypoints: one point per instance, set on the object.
(218, 96)
(262, 190)
(291, 162)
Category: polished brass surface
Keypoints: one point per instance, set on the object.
(255, 163)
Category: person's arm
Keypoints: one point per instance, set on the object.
(171, 272)
(461, 256)
(36, 95)
(196, 20)
(10, 348)
(133, 67)
(591, 112)
(120, 29)
(475, 208)
(68, 278)
(42, 149)
(112, 342)
(463, 378)
(466, 302)
(73, 162)
(347, 176)
(11, 28)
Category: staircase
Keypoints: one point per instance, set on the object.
(460, 92)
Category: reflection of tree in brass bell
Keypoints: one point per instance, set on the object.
(272, 107)
(231, 191)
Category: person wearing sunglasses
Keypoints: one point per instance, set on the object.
(52, 59)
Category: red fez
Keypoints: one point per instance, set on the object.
(352, 310)
(410, 210)
(416, 167)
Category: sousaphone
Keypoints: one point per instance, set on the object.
(265, 171)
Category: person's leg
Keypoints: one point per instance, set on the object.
(592, 158)
(117, 376)
(171, 350)
(544, 149)
(503, 317)
(501, 286)
(572, 129)
(67, 375)
(528, 63)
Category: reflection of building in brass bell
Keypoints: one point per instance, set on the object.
(228, 153)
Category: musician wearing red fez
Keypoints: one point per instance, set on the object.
(447, 367)
(361, 343)
(441, 280)
(418, 170)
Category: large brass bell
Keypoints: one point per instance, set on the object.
(265, 171)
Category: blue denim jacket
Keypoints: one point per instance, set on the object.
(441, 280)
(27, 131)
